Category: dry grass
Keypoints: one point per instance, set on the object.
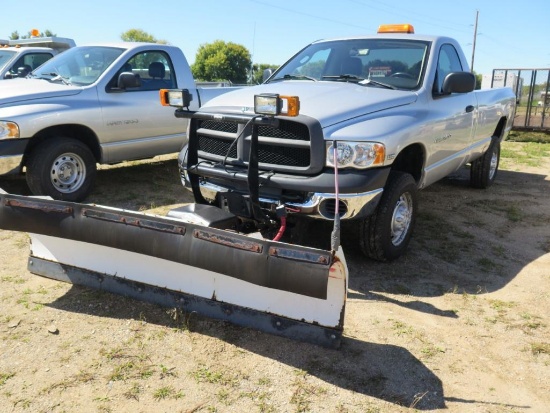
(433, 331)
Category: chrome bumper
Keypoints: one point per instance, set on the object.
(10, 164)
(317, 205)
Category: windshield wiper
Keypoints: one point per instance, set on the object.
(56, 77)
(343, 78)
(367, 82)
(294, 77)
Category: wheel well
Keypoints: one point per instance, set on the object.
(410, 160)
(78, 132)
(499, 131)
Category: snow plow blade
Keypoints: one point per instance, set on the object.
(279, 288)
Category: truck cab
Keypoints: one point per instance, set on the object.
(20, 57)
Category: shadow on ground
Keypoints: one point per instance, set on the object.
(358, 366)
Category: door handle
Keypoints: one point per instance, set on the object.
(469, 108)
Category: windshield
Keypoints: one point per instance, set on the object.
(79, 66)
(5, 56)
(391, 63)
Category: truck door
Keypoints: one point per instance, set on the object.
(27, 62)
(451, 130)
(135, 124)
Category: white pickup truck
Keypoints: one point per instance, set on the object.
(88, 105)
(20, 57)
(375, 118)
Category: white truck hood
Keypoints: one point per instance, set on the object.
(328, 102)
(21, 90)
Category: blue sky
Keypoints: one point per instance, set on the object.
(510, 34)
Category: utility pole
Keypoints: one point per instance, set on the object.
(474, 46)
(251, 77)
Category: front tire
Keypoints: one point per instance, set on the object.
(385, 235)
(62, 168)
(484, 170)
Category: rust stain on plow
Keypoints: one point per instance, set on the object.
(40, 206)
(227, 241)
(300, 255)
(128, 220)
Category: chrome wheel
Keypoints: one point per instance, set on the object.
(385, 235)
(401, 218)
(68, 173)
(494, 165)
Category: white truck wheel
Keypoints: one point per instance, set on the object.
(385, 235)
(63, 168)
(484, 170)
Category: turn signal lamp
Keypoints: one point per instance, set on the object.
(274, 105)
(396, 28)
(9, 130)
(35, 33)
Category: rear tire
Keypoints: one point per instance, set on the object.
(385, 235)
(484, 170)
(62, 168)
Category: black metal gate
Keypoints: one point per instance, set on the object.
(532, 91)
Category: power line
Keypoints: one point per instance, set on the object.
(429, 20)
(309, 15)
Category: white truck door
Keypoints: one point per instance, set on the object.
(451, 130)
(135, 124)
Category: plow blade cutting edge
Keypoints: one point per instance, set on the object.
(283, 289)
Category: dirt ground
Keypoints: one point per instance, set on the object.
(459, 324)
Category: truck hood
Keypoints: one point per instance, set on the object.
(328, 102)
(20, 90)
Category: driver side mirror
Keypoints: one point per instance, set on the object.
(128, 80)
(267, 74)
(459, 82)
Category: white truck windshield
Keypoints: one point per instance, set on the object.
(393, 63)
(79, 66)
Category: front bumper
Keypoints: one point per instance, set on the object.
(11, 155)
(359, 192)
(10, 165)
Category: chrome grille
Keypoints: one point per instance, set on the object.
(279, 155)
(283, 147)
(229, 127)
(217, 146)
(286, 130)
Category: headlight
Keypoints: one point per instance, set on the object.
(356, 154)
(9, 130)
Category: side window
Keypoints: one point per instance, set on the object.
(30, 61)
(37, 59)
(448, 62)
(153, 67)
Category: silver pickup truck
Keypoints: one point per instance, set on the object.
(88, 105)
(378, 118)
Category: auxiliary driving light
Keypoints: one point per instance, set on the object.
(274, 105)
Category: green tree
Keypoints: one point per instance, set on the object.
(47, 33)
(258, 72)
(479, 78)
(138, 35)
(222, 61)
(313, 69)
